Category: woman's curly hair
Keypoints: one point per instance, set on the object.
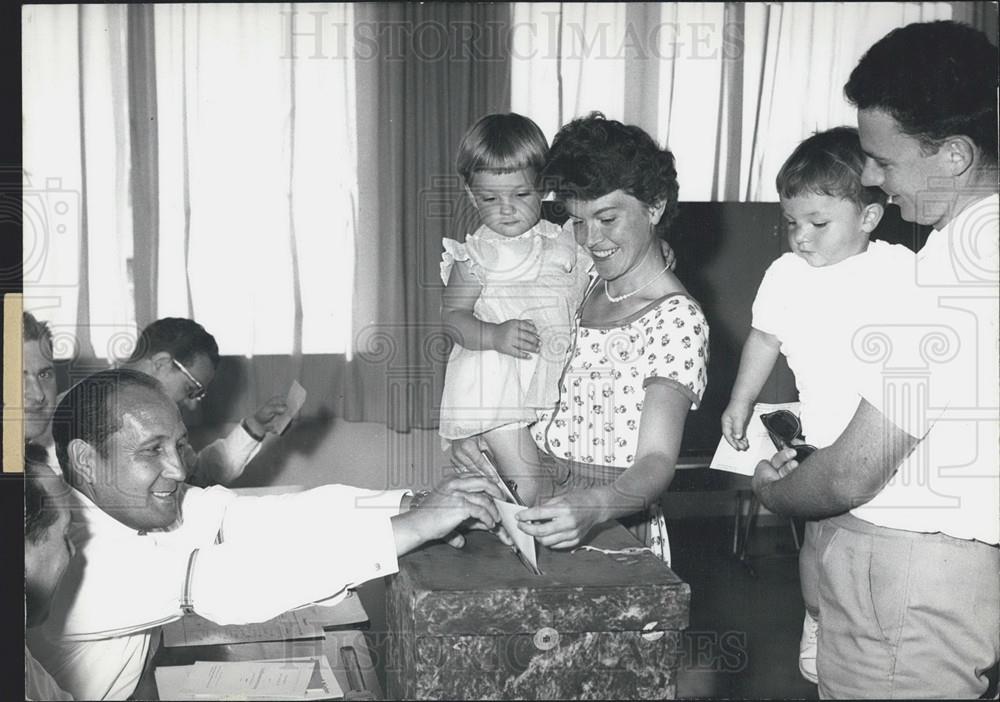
(593, 156)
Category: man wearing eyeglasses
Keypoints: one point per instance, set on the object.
(909, 561)
(183, 356)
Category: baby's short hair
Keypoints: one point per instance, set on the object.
(501, 143)
(829, 163)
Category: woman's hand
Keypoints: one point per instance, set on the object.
(565, 520)
(516, 337)
(734, 424)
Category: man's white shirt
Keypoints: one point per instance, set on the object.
(232, 559)
(224, 460)
(934, 371)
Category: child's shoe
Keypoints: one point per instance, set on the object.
(807, 648)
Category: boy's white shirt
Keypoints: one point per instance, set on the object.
(814, 313)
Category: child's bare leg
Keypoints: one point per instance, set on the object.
(809, 569)
(517, 459)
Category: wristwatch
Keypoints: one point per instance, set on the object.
(248, 430)
(418, 497)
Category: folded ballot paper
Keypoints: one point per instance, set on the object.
(761, 447)
(524, 544)
(293, 402)
(308, 678)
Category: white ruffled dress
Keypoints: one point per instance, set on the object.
(540, 275)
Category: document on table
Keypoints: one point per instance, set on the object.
(761, 447)
(293, 403)
(305, 623)
(308, 678)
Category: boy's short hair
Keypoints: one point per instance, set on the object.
(182, 338)
(501, 143)
(936, 79)
(829, 163)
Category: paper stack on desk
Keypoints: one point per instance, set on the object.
(761, 447)
(309, 678)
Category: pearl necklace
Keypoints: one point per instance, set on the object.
(619, 298)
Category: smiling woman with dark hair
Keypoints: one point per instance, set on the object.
(640, 352)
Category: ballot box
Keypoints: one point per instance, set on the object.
(474, 623)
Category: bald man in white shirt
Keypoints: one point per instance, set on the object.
(153, 548)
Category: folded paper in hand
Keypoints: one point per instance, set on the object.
(761, 447)
(293, 403)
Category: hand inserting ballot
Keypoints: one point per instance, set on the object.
(464, 500)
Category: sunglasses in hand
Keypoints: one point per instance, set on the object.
(785, 429)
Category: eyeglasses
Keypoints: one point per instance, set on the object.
(199, 391)
(784, 428)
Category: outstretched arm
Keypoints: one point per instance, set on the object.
(759, 355)
(570, 516)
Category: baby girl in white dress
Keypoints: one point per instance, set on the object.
(512, 290)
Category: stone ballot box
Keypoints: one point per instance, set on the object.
(474, 623)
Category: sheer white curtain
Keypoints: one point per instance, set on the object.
(567, 59)
(257, 175)
(77, 216)
(731, 88)
(806, 52)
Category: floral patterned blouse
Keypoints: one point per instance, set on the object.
(602, 389)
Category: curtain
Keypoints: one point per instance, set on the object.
(77, 206)
(730, 88)
(567, 59)
(981, 15)
(257, 176)
(433, 71)
(809, 50)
